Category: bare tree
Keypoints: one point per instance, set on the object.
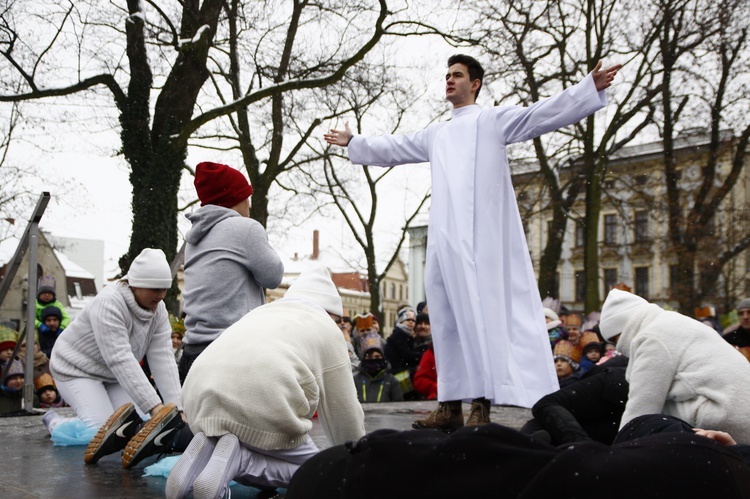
(704, 52)
(17, 192)
(170, 49)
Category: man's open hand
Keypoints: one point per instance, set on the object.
(603, 77)
(339, 137)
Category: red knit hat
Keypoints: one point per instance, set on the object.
(220, 184)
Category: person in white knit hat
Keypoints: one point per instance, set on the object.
(678, 366)
(96, 362)
(250, 396)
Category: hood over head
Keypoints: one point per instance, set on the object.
(616, 312)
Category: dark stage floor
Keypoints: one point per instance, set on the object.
(30, 466)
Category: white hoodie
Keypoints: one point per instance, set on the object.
(678, 366)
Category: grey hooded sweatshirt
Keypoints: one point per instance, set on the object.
(228, 263)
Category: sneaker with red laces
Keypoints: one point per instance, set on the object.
(156, 437)
(114, 434)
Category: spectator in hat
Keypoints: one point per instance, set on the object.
(567, 357)
(592, 350)
(250, 397)
(50, 328)
(95, 364)
(11, 391)
(41, 361)
(422, 332)
(373, 381)
(228, 261)
(47, 392)
(401, 351)
(364, 325)
(572, 324)
(738, 335)
(8, 341)
(555, 329)
(678, 366)
(46, 296)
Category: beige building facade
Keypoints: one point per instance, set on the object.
(634, 247)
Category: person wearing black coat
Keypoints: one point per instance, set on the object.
(664, 457)
(399, 347)
(589, 409)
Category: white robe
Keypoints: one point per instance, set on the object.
(488, 327)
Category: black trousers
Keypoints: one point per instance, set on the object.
(499, 462)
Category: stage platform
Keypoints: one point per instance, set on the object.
(31, 467)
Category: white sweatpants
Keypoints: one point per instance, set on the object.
(272, 468)
(93, 401)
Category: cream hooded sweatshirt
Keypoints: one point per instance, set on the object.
(678, 366)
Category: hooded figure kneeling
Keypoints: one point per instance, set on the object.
(251, 394)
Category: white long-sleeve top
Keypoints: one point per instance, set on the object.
(264, 378)
(107, 340)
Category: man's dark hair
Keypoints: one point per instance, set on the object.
(476, 72)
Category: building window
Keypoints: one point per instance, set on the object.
(610, 279)
(610, 229)
(641, 226)
(393, 291)
(641, 282)
(580, 234)
(580, 285)
(401, 292)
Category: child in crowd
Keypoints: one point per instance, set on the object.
(8, 339)
(46, 296)
(11, 391)
(554, 327)
(50, 328)
(41, 361)
(592, 350)
(47, 392)
(373, 381)
(572, 325)
(567, 356)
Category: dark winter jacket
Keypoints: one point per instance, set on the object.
(587, 410)
(400, 351)
(383, 387)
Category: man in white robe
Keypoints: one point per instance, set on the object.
(488, 327)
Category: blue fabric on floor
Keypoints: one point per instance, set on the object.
(72, 432)
(162, 467)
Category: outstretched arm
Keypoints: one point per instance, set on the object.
(339, 137)
(603, 77)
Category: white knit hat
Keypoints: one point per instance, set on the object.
(150, 270)
(315, 285)
(616, 312)
(550, 314)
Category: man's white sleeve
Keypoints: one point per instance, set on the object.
(389, 150)
(519, 124)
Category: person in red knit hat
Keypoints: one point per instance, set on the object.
(228, 261)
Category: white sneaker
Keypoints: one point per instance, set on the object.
(189, 466)
(224, 465)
